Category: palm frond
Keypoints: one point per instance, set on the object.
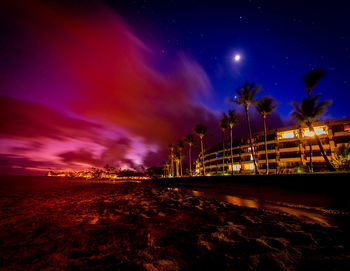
(312, 77)
(245, 95)
(265, 105)
(232, 118)
(223, 123)
(189, 140)
(200, 130)
(309, 111)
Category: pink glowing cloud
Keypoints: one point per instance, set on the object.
(79, 89)
(86, 91)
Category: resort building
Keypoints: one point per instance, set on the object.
(289, 149)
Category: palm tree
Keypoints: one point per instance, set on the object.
(189, 140)
(109, 169)
(165, 165)
(342, 155)
(311, 79)
(223, 125)
(232, 120)
(180, 147)
(171, 154)
(265, 106)
(106, 168)
(307, 113)
(201, 131)
(245, 96)
(177, 158)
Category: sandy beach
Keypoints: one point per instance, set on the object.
(143, 226)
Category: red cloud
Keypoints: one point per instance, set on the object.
(111, 75)
(29, 120)
(126, 99)
(88, 63)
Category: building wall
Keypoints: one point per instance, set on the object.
(288, 148)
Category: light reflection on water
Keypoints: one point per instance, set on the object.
(304, 213)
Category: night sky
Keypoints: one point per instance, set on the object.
(85, 83)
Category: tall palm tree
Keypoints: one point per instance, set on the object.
(189, 140)
(180, 147)
(311, 79)
(177, 158)
(307, 113)
(245, 97)
(171, 154)
(201, 131)
(265, 106)
(232, 120)
(223, 125)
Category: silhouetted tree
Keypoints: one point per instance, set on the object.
(106, 168)
(307, 113)
(223, 125)
(165, 165)
(177, 158)
(189, 140)
(232, 119)
(342, 156)
(265, 106)
(201, 131)
(311, 79)
(245, 97)
(180, 147)
(171, 154)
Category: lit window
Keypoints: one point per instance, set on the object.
(236, 167)
(308, 133)
(318, 130)
(249, 166)
(289, 134)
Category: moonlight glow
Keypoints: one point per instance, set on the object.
(237, 58)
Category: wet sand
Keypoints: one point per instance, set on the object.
(144, 226)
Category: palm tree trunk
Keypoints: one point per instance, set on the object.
(171, 164)
(265, 135)
(310, 145)
(180, 168)
(177, 168)
(250, 139)
(223, 154)
(189, 159)
(202, 156)
(231, 151)
(329, 165)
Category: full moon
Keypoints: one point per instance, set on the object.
(237, 58)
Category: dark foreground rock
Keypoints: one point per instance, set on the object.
(135, 226)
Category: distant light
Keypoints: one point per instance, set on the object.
(237, 58)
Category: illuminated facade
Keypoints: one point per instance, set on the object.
(288, 149)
